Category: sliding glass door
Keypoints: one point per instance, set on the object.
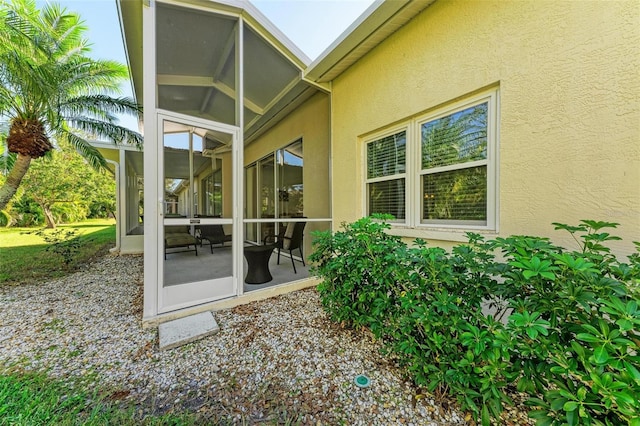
(289, 180)
(274, 190)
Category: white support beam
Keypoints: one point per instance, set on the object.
(282, 93)
(238, 164)
(184, 80)
(228, 47)
(153, 230)
(275, 100)
(231, 41)
(325, 87)
(197, 81)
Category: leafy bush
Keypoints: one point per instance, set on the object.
(69, 212)
(5, 218)
(584, 362)
(26, 212)
(360, 267)
(63, 242)
(563, 326)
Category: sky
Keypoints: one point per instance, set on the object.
(312, 25)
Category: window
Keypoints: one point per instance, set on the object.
(454, 167)
(290, 162)
(274, 189)
(451, 183)
(279, 183)
(212, 193)
(386, 164)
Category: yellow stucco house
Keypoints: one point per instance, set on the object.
(496, 117)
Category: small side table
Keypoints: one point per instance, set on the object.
(258, 264)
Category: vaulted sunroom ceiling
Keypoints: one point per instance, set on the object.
(196, 47)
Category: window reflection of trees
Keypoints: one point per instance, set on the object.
(290, 181)
(386, 157)
(275, 188)
(460, 191)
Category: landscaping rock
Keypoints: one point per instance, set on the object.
(277, 360)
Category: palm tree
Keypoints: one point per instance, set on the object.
(6, 159)
(51, 92)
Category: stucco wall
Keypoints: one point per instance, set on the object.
(569, 114)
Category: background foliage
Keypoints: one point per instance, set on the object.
(63, 186)
(561, 326)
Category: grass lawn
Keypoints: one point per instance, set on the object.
(23, 256)
(34, 399)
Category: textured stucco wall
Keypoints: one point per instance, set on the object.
(569, 115)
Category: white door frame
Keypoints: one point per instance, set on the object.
(191, 294)
(152, 254)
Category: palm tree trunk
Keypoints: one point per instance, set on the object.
(16, 174)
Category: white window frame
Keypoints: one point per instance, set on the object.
(413, 225)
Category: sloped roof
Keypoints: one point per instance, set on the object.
(195, 61)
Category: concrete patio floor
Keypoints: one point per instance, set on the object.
(183, 267)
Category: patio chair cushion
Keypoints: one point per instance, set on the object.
(178, 236)
(179, 240)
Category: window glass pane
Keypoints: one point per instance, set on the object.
(386, 156)
(457, 138)
(251, 185)
(267, 191)
(217, 192)
(387, 197)
(214, 194)
(207, 194)
(212, 191)
(290, 185)
(455, 195)
(250, 203)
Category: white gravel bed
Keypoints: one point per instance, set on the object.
(274, 360)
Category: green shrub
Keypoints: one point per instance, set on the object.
(360, 267)
(582, 367)
(5, 218)
(27, 212)
(563, 326)
(69, 212)
(63, 242)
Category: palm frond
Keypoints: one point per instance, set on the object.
(6, 162)
(84, 148)
(45, 75)
(100, 129)
(86, 75)
(7, 159)
(123, 105)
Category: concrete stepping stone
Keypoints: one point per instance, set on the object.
(185, 330)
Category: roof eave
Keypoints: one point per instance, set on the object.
(378, 22)
(130, 17)
(276, 37)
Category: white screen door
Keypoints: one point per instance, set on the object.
(198, 226)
